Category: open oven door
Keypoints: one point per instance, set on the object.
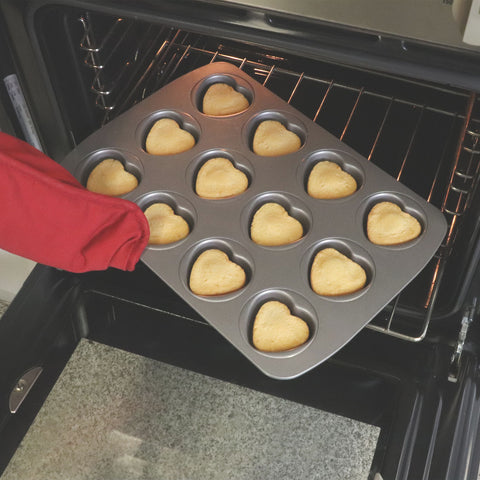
(421, 400)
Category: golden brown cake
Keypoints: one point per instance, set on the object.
(165, 226)
(213, 273)
(388, 224)
(275, 329)
(334, 274)
(221, 99)
(273, 226)
(328, 181)
(218, 178)
(272, 139)
(166, 137)
(109, 177)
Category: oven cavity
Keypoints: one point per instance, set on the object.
(426, 135)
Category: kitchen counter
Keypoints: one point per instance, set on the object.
(14, 270)
(116, 415)
(3, 307)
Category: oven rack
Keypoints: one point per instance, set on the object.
(161, 54)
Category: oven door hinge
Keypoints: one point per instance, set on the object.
(467, 319)
(22, 388)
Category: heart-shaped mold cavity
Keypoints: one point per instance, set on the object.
(334, 274)
(272, 226)
(392, 220)
(276, 219)
(168, 132)
(328, 181)
(275, 329)
(218, 178)
(218, 275)
(110, 172)
(219, 174)
(388, 224)
(167, 137)
(221, 99)
(272, 134)
(165, 225)
(331, 175)
(223, 95)
(338, 269)
(213, 273)
(109, 177)
(171, 217)
(274, 338)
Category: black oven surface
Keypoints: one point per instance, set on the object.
(96, 61)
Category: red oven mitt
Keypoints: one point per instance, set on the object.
(46, 215)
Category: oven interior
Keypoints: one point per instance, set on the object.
(425, 135)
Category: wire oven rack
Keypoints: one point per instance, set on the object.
(160, 54)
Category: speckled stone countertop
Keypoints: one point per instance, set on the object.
(115, 415)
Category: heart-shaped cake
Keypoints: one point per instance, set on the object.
(165, 226)
(275, 329)
(213, 273)
(272, 139)
(219, 178)
(166, 137)
(273, 226)
(333, 274)
(109, 177)
(327, 180)
(388, 224)
(221, 99)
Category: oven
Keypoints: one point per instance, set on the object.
(409, 105)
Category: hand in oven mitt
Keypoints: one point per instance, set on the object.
(46, 215)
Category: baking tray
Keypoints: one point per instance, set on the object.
(273, 273)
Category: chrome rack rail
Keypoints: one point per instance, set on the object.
(160, 54)
(463, 182)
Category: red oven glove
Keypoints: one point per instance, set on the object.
(46, 215)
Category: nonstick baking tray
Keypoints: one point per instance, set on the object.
(273, 273)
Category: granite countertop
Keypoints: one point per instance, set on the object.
(116, 415)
